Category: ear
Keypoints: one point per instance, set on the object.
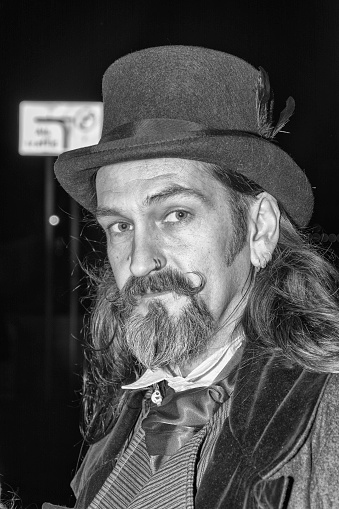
(263, 229)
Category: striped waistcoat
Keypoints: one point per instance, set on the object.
(133, 485)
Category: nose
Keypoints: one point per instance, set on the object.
(146, 255)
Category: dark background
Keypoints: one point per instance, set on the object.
(59, 50)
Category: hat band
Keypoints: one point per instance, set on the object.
(168, 128)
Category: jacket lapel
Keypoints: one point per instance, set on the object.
(101, 457)
(273, 407)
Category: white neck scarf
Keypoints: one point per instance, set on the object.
(201, 376)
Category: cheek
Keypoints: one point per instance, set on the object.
(119, 265)
(212, 253)
(213, 264)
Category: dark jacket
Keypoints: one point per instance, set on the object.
(265, 452)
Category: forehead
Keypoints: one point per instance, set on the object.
(150, 175)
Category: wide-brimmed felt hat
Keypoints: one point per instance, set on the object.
(190, 103)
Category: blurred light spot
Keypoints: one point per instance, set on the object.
(54, 220)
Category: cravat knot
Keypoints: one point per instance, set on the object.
(180, 416)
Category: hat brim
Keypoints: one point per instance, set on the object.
(252, 156)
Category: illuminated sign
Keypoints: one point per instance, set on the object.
(50, 128)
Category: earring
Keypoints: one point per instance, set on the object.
(266, 258)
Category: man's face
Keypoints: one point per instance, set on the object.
(171, 210)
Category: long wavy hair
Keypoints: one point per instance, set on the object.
(292, 308)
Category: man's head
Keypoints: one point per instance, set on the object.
(166, 109)
(170, 226)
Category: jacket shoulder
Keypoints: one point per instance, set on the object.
(325, 448)
(314, 468)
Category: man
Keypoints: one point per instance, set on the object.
(213, 335)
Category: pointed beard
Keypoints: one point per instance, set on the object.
(158, 339)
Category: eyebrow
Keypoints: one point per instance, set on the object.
(171, 191)
(166, 193)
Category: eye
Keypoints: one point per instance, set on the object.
(176, 216)
(121, 227)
